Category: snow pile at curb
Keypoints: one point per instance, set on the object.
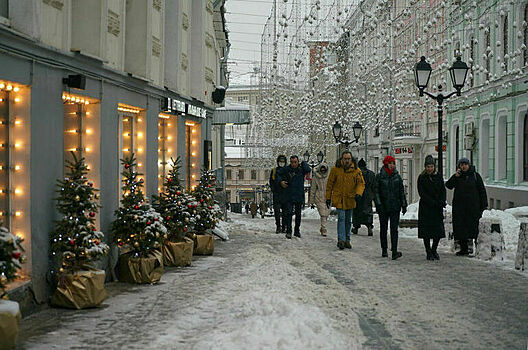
(412, 212)
(221, 230)
(9, 307)
(510, 230)
(518, 212)
(310, 213)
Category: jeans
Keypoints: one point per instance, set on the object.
(384, 222)
(279, 209)
(344, 224)
(291, 209)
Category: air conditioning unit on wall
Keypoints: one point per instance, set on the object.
(469, 129)
(469, 143)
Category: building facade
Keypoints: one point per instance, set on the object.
(489, 123)
(101, 79)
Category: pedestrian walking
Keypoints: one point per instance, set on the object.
(253, 209)
(431, 208)
(389, 196)
(344, 188)
(247, 208)
(291, 178)
(279, 196)
(469, 201)
(263, 208)
(318, 195)
(363, 214)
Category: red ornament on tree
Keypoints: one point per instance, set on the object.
(16, 255)
(92, 214)
(195, 205)
(136, 207)
(156, 219)
(169, 180)
(190, 205)
(201, 200)
(148, 222)
(178, 193)
(210, 207)
(72, 242)
(96, 242)
(120, 244)
(167, 218)
(185, 229)
(90, 184)
(127, 166)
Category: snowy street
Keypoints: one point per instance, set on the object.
(260, 290)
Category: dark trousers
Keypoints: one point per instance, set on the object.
(279, 209)
(384, 222)
(293, 208)
(427, 244)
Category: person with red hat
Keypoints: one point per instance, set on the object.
(389, 196)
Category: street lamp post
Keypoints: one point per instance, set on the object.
(320, 157)
(422, 74)
(337, 130)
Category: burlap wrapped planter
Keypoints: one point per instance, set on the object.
(80, 290)
(178, 253)
(145, 270)
(203, 244)
(9, 320)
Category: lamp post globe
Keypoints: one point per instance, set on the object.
(422, 74)
(320, 157)
(357, 129)
(306, 156)
(458, 73)
(337, 130)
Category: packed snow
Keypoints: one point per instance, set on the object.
(9, 307)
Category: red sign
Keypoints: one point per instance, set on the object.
(403, 150)
(443, 148)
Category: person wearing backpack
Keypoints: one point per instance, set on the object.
(469, 202)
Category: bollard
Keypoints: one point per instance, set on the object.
(490, 243)
(522, 247)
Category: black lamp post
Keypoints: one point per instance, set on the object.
(422, 74)
(320, 158)
(337, 130)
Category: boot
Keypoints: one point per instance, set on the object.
(288, 235)
(323, 231)
(341, 245)
(297, 234)
(396, 255)
(384, 253)
(355, 230)
(429, 254)
(435, 255)
(278, 230)
(348, 245)
(370, 233)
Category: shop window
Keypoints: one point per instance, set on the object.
(229, 174)
(192, 154)
(167, 146)
(253, 174)
(132, 140)
(500, 149)
(15, 163)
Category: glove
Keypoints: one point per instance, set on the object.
(328, 203)
(358, 198)
(312, 206)
(404, 210)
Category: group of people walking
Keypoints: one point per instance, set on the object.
(351, 188)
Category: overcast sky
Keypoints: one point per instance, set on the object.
(245, 21)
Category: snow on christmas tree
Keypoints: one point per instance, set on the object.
(137, 224)
(75, 241)
(11, 258)
(173, 203)
(207, 212)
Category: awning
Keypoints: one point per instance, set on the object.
(231, 115)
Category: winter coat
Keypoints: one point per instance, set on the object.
(279, 193)
(469, 201)
(431, 207)
(263, 208)
(363, 213)
(318, 191)
(343, 186)
(253, 208)
(295, 178)
(389, 193)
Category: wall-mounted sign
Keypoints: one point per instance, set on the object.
(172, 105)
(196, 111)
(403, 150)
(444, 147)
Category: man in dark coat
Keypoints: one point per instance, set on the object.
(431, 208)
(279, 195)
(362, 213)
(389, 196)
(469, 201)
(291, 178)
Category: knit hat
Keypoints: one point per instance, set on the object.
(389, 159)
(463, 160)
(429, 160)
(362, 163)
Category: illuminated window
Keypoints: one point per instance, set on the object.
(132, 139)
(167, 145)
(192, 153)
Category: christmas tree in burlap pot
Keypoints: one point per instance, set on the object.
(139, 229)
(11, 258)
(172, 204)
(207, 213)
(75, 242)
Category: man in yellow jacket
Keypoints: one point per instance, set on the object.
(345, 186)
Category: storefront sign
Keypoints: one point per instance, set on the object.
(403, 150)
(197, 111)
(172, 105)
(444, 147)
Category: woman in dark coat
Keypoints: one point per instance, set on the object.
(363, 214)
(431, 208)
(469, 201)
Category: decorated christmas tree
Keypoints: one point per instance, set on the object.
(207, 212)
(11, 258)
(76, 242)
(137, 224)
(173, 203)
